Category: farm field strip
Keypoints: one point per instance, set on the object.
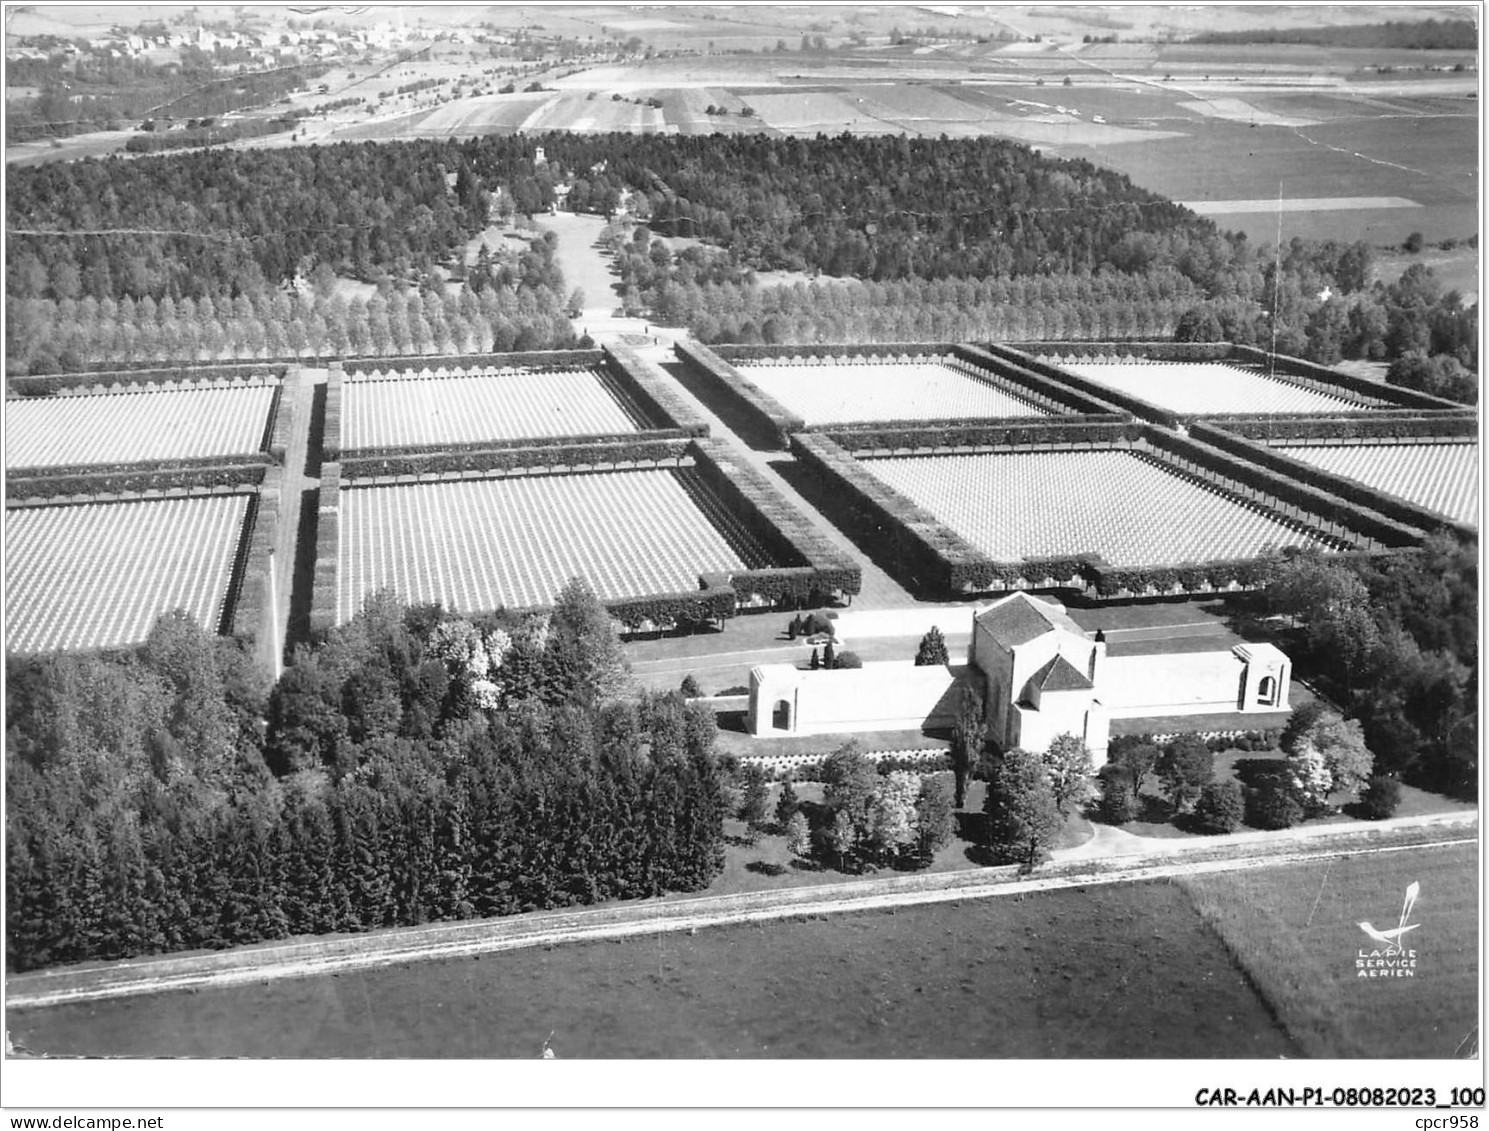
(1300, 204)
(924, 390)
(1296, 931)
(1209, 387)
(1441, 477)
(483, 544)
(97, 575)
(159, 424)
(478, 406)
(1125, 507)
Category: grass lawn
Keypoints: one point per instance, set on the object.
(767, 864)
(1125, 971)
(1295, 931)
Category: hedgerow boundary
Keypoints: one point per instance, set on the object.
(928, 550)
(716, 369)
(811, 569)
(1371, 396)
(1391, 506)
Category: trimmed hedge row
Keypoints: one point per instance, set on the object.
(1383, 424)
(653, 390)
(331, 433)
(1157, 351)
(1335, 381)
(762, 409)
(1393, 507)
(532, 359)
(327, 547)
(937, 555)
(1008, 432)
(48, 384)
(762, 352)
(451, 461)
(42, 484)
(1201, 577)
(1280, 492)
(1189, 577)
(813, 569)
(248, 604)
(919, 542)
(712, 604)
(1075, 382)
(277, 428)
(1042, 379)
(1043, 393)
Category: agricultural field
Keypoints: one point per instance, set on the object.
(1295, 930)
(1119, 971)
(484, 544)
(1443, 477)
(136, 426)
(1201, 388)
(921, 390)
(97, 575)
(1130, 509)
(468, 406)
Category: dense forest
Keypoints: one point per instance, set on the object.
(941, 238)
(1395, 639)
(414, 767)
(1439, 35)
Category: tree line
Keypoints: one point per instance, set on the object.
(47, 336)
(1422, 35)
(511, 301)
(415, 767)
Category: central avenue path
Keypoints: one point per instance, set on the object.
(586, 265)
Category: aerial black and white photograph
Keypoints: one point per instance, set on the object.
(736, 532)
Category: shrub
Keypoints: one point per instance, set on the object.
(932, 649)
(847, 660)
(1274, 804)
(689, 687)
(818, 624)
(1380, 797)
(1221, 807)
(788, 804)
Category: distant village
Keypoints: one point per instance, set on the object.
(291, 44)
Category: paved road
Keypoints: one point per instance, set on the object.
(444, 940)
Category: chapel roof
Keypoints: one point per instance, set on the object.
(1021, 618)
(1060, 675)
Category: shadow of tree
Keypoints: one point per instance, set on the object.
(766, 868)
(1253, 771)
(972, 827)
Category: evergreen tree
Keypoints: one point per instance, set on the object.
(932, 649)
